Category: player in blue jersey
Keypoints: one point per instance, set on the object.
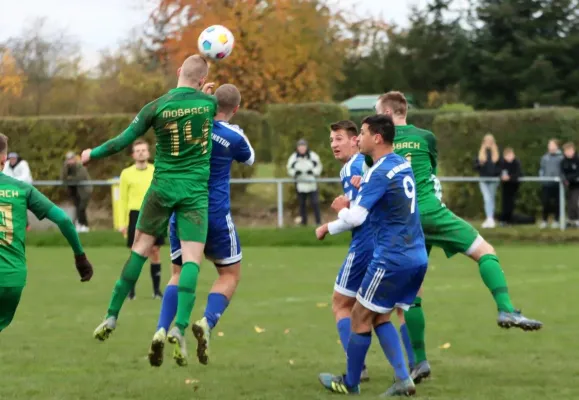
(222, 245)
(387, 200)
(344, 144)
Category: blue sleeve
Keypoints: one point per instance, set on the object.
(243, 151)
(373, 188)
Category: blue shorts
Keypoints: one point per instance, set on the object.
(383, 290)
(353, 271)
(222, 245)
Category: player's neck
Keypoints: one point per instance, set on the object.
(141, 164)
(399, 121)
(380, 152)
(222, 117)
(353, 154)
(185, 84)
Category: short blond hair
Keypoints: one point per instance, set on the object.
(194, 68)
(394, 100)
(228, 97)
(3, 143)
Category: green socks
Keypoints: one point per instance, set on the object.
(416, 325)
(494, 279)
(186, 295)
(123, 286)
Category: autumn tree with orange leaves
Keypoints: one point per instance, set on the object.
(286, 51)
(11, 80)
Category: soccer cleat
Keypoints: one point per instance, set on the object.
(516, 319)
(420, 372)
(401, 388)
(364, 376)
(336, 384)
(104, 330)
(157, 347)
(202, 333)
(180, 350)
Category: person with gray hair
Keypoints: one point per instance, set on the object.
(17, 168)
(304, 166)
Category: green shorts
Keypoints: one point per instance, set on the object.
(442, 228)
(188, 199)
(9, 299)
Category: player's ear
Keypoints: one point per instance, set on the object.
(178, 72)
(236, 109)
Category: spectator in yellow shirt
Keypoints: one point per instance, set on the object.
(135, 182)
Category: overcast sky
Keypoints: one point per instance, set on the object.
(100, 24)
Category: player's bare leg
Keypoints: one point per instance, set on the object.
(342, 308)
(220, 295)
(128, 279)
(156, 351)
(493, 276)
(192, 254)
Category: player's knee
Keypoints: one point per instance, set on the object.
(143, 243)
(361, 319)
(230, 274)
(155, 255)
(420, 292)
(485, 248)
(383, 318)
(342, 305)
(192, 252)
(400, 315)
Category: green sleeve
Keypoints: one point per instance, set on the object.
(39, 203)
(138, 127)
(59, 217)
(432, 149)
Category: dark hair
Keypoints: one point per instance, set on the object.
(381, 125)
(3, 143)
(345, 125)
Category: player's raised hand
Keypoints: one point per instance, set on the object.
(356, 181)
(340, 202)
(208, 87)
(84, 267)
(85, 156)
(322, 231)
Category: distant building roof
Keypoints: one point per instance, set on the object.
(362, 102)
(367, 102)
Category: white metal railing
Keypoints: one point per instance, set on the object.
(279, 182)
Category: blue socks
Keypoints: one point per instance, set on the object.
(358, 346)
(344, 329)
(390, 344)
(216, 305)
(407, 345)
(168, 307)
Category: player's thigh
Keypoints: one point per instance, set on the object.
(222, 246)
(352, 272)
(362, 318)
(443, 229)
(156, 210)
(9, 300)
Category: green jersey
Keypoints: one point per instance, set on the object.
(418, 146)
(15, 199)
(183, 123)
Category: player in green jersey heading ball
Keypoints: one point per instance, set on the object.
(16, 198)
(182, 121)
(442, 228)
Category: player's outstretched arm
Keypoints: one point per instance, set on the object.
(64, 223)
(138, 127)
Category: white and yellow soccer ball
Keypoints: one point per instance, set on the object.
(216, 42)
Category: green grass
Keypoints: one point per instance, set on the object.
(48, 352)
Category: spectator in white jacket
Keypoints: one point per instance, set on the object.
(17, 168)
(305, 166)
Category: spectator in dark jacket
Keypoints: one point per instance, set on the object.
(551, 167)
(486, 164)
(511, 171)
(570, 169)
(73, 172)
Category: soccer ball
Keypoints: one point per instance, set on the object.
(216, 42)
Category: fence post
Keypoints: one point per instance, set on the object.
(562, 208)
(279, 204)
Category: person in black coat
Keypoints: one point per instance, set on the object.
(511, 171)
(570, 171)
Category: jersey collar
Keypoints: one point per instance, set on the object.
(404, 127)
(183, 89)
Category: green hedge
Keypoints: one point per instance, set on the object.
(289, 237)
(44, 141)
(292, 122)
(527, 131)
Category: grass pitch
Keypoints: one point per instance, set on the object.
(48, 352)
